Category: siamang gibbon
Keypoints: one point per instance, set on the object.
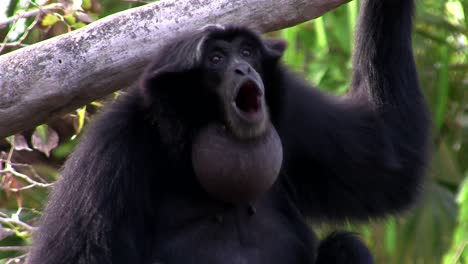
(222, 155)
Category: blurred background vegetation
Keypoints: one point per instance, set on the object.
(435, 231)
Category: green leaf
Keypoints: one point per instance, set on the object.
(293, 56)
(443, 87)
(81, 118)
(49, 20)
(70, 19)
(390, 236)
(78, 25)
(86, 4)
(321, 33)
(458, 253)
(44, 139)
(41, 131)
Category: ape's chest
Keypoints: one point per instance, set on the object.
(237, 235)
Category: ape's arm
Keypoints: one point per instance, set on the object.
(90, 204)
(363, 155)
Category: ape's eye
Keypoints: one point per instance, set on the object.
(215, 59)
(246, 52)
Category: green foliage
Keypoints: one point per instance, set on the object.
(435, 231)
(458, 253)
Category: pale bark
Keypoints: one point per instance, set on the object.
(58, 75)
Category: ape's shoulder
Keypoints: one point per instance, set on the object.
(122, 122)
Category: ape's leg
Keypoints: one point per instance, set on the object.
(343, 248)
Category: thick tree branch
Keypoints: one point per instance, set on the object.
(58, 75)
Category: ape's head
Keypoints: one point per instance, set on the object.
(234, 63)
(211, 89)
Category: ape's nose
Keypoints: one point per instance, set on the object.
(242, 69)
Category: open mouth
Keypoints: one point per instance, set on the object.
(249, 98)
(247, 117)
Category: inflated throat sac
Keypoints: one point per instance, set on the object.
(233, 170)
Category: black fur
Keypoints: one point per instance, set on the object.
(339, 248)
(129, 195)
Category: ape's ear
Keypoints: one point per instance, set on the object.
(275, 47)
(156, 81)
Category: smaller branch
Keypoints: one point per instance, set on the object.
(23, 165)
(15, 248)
(16, 259)
(5, 40)
(10, 153)
(15, 190)
(25, 34)
(26, 178)
(458, 252)
(35, 12)
(5, 220)
(14, 44)
(10, 169)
